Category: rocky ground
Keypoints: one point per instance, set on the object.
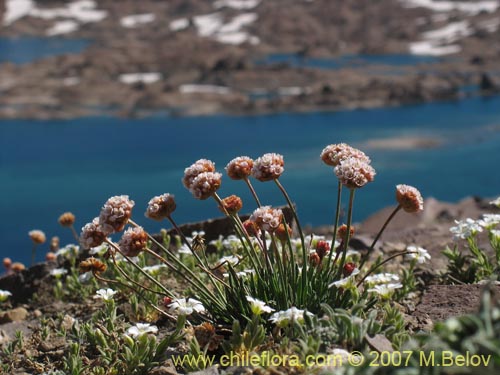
(430, 229)
(202, 56)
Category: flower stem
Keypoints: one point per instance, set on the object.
(252, 190)
(336, 224)
(391, 216)
(348, 233)
(72, 228)
(33, 254)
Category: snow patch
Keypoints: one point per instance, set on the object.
(470, 8)
(490, 25)
(179, 24)
(147, 78)
(237, 4)
(427, 48)
(208, 24)
(212, 26)
(203, 89)
(63, 27)
(135, 20)
(439, 42)
(16, 9)
(71, 81)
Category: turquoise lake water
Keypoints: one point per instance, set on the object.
(48, 167)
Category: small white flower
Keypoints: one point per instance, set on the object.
(141, 329)
(105, 294)
(495, 233)
(490, 220)
(258, 307)
(154, 270)
(58, 272)
(85, 277)
(70, 249)
(231, 259)
(418, 253)
(347, 282)
(99, 250)
(385, 290)
(466, 228)
(496, 202)
(4, 294)
(382, 278)
(185, 306)
(184, 249)
(283, 318)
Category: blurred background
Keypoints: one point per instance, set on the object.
(101, 98)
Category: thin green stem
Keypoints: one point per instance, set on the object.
(336, 224)
(73, 231)
(33, 254)
(348, 234)
(252, 190)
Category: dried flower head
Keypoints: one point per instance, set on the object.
(239, 168)
(50, 257)
(161, 207)
(54, 243)
(205, 184)
(17, 267)
(232, 205)
(92, 265)
(354, 173)
(268, 167)
(92, 234)
(207, 337)
(335, 154)
(37, 236)
(191, 172)
(348, 269)
(133, 241)
(342, 232)
(281, 232)
(314, 259)
(409, 198)
(7, 263)
(67, 219)
(322, 248)
(267, 218)
(115, 213)
(251, 228)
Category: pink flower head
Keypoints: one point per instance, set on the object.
(92, 234)
(267, 218)
(239, 168)
(334, 154)
(409, 198)
(205, 184)
(160, 207)
(115, 213)
(191, 172)
(268, 167)
(354, 173)
(133, 241)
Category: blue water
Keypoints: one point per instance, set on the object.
(49, 167)
(27, 49)
(345, 61)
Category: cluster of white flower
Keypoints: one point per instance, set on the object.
(347, 282)
(466, 228)
(105, 294)
(141, 329)
(58, 272)
(185, 306)
(284, 318)
(258, 307)
(385, 290)
(382, 278)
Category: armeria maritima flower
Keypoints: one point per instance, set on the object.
(133, 241)
(92, 234)
(409, 198)
(268, 167)
(354, 173)
(334, 154)
(115, 213)
(283, 234)
(161, 207)
(251, 228)
(37, 236)
(67, 219)
(342, 232)
(205, 184)
(267, 218)
(239, 168)
(232, 204)
(191, 172)
(92, 265)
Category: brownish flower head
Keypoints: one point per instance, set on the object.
(251, 228)
(348, 269)
(67, 219)
(239, 168)
(207, 337)
(334, 154)
(54, 243)
(167, 301)
(281, 232)
(115, 213)
(191, 172)
(342, 232)
(314, 259)
(232, 205)
(50, 257)
(92, 265)
(92, 234)
(7, 263)
(409, 198)
(354, 173)
(268, 167)
(17, 267)
(267, 218)
(161, 207)
(322, 248)
(133, 241)
(205, 184)
(37, 236)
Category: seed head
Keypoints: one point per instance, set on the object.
(7, 263)
(267, 218)
(251, 228)
(342, 232)
(207, 337)
(232, 204)
(133, 241)
(115, 213)
(92, 265)
(92, 234)
(335, 154)
(191, 172)
(409, 198)
(50, 257)
(314, 259)
(37, 236)
(322, 248)
(268, 167)
(161, 207)
(67, 219)
(205, 184)
(239, 168)
(281, 232)
(348, 269)
(354, 173)
(17, 267)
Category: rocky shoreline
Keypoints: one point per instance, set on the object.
(197, 58)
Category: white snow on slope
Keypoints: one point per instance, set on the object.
(135, 20)
(63, 27)
(439, 42)
(203, 89)
(212, 26)
(471, 8)
(16, 9)
(237, 4)
(179, 24)
(131, 78)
